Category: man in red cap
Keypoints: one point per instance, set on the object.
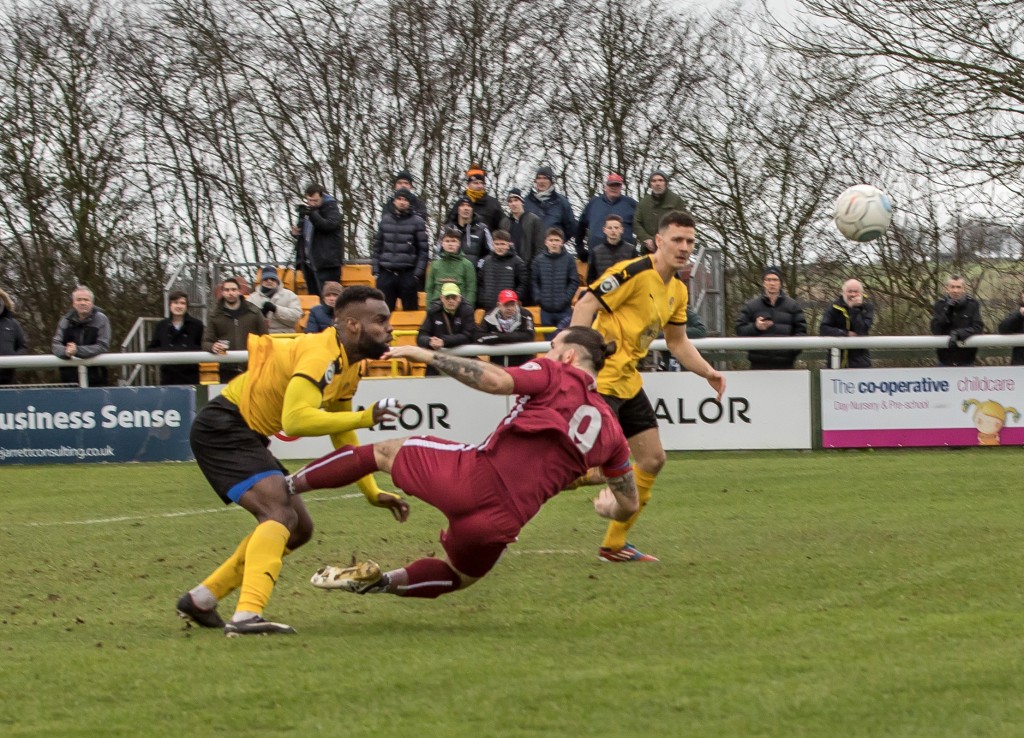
(590, 229)
(507, 323)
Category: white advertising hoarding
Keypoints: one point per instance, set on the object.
(940, 406)
(761, 410)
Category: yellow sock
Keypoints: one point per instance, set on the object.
(615, 536)
(228, 576)
(262, 565)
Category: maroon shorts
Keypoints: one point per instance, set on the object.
(455, 478)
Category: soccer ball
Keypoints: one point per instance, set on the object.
(863, 213)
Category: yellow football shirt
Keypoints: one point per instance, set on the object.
(273, 362)
(636, 304)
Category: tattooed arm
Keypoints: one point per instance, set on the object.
(618, 500)
(480, 375)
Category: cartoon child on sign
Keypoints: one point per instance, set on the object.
(989, 418)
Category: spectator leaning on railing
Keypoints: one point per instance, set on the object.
(83, 332)
(772, 313)
(850, 315)
(12, 336)
(1014, 323)
(957, 315)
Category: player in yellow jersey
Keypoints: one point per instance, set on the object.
(301, 386)
(632, 303)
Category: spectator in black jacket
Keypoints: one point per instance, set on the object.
(449, 322)
(957, 315)
(502, 270)
(476, 236)
(404, 181)
(527, 232)
(850, 315)
(1014, 323)
(610, 250)
(400, 251)
(551, 206)
(178, 332)
(772, 313)
(318, 247)
(12, 336)
(486, 207)
(507, 323)
(555, 280)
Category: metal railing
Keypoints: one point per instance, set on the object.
(833, 345)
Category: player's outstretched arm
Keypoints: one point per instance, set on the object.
(480, 375)
(302, 414)
(618, 500)
(585, 310)
(688, 355)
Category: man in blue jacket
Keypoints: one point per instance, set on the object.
(590, 232)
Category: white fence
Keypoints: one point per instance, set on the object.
(706, 345)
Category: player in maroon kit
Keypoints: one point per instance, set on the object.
(558, 428)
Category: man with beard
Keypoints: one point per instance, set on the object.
(288, 387)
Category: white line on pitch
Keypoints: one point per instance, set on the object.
(178, 514)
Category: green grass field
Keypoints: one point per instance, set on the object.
(817, 594)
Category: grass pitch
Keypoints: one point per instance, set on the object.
(828, 593)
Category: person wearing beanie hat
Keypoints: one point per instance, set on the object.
(652, 207)
(318, 244)
(551, 206)
(280, 306)
(12, 336)
(772, 313)
(398, 257)
(628, 305)
(403, 180)
(321, 317)
(486, 208)
(590, 231)
(527, 232)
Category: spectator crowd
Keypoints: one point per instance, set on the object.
(486, 275)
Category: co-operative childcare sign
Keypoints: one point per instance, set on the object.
(922, 407)
(115, 424)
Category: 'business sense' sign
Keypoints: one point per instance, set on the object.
(113, 424)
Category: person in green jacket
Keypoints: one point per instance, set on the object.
(652, 207)
(452, 266)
